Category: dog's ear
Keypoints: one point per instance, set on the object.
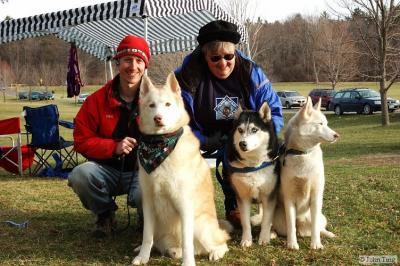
(172, 82)
(265, 112)
(306, 109)
(145, 85)
(317, 106)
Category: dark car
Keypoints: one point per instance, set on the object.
(47, 95)
(326, 96)
(360, 100)
(23, 95)
(35, 95)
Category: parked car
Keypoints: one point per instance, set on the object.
(326, 96)
(290, 99)
(82, 97)
(360, 100)
(35, 95)
(47, 95)
(23, 95)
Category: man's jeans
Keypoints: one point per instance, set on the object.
(96, 185)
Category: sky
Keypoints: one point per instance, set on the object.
(270, 10)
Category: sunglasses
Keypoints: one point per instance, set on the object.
(227, 57)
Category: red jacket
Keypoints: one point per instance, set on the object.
(96, 126)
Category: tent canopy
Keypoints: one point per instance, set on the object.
(168, 25)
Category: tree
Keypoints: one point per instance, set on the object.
(378, 32)
(6, 73)
(244, 12)
(334, 51)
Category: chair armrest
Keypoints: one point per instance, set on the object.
(66, 124)
(8, 137)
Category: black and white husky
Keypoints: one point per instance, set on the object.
(252, 164)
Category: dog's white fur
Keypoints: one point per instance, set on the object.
(178, 196)
(303, 178)
(254, 185)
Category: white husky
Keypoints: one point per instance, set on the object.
(178, 193)
(303, 178)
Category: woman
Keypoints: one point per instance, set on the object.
(217, 80)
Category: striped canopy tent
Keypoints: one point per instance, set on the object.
(168, 25)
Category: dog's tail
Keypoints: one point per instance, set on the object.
(225, 225)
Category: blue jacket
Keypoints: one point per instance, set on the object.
(260, 91)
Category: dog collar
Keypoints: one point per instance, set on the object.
(294, 152)
(246, 169)
(297, 152)
(154, 149)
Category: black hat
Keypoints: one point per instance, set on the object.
(218, 30)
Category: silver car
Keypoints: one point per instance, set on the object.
(291, 99)
(82, 97)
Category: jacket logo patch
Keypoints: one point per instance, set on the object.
(108, 116)
(226, 107)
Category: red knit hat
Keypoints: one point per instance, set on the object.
(133, 45)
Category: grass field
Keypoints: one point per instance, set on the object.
(361, 202)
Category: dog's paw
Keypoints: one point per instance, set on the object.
(263, 240)
(327, 233)
(293, 245)
(256, 219)
(316, 245)
(175, 253)
(218, 252)
(245, 243)
(139, 260)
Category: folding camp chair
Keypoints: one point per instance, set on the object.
(15, 158)
(43, 134)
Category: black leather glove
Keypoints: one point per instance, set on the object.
(213, 142)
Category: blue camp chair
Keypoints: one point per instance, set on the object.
(43, 135)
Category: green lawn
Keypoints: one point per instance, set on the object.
(361, 202)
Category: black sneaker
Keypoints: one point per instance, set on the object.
(106, 225)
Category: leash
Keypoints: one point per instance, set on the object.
(17, 225)
(127, 197)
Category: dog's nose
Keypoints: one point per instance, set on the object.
(243, 144)
(336, 136)
(157, 119)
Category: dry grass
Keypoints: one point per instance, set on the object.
(361, 202)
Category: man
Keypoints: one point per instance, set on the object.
(106, 133)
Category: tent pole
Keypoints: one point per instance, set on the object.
(105, 70)
(110, 68)
(145, 36)
(145, 29)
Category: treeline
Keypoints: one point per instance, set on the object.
(312, 49)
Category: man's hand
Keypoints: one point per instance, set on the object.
(125, 146)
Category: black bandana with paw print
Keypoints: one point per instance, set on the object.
(154, 149)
